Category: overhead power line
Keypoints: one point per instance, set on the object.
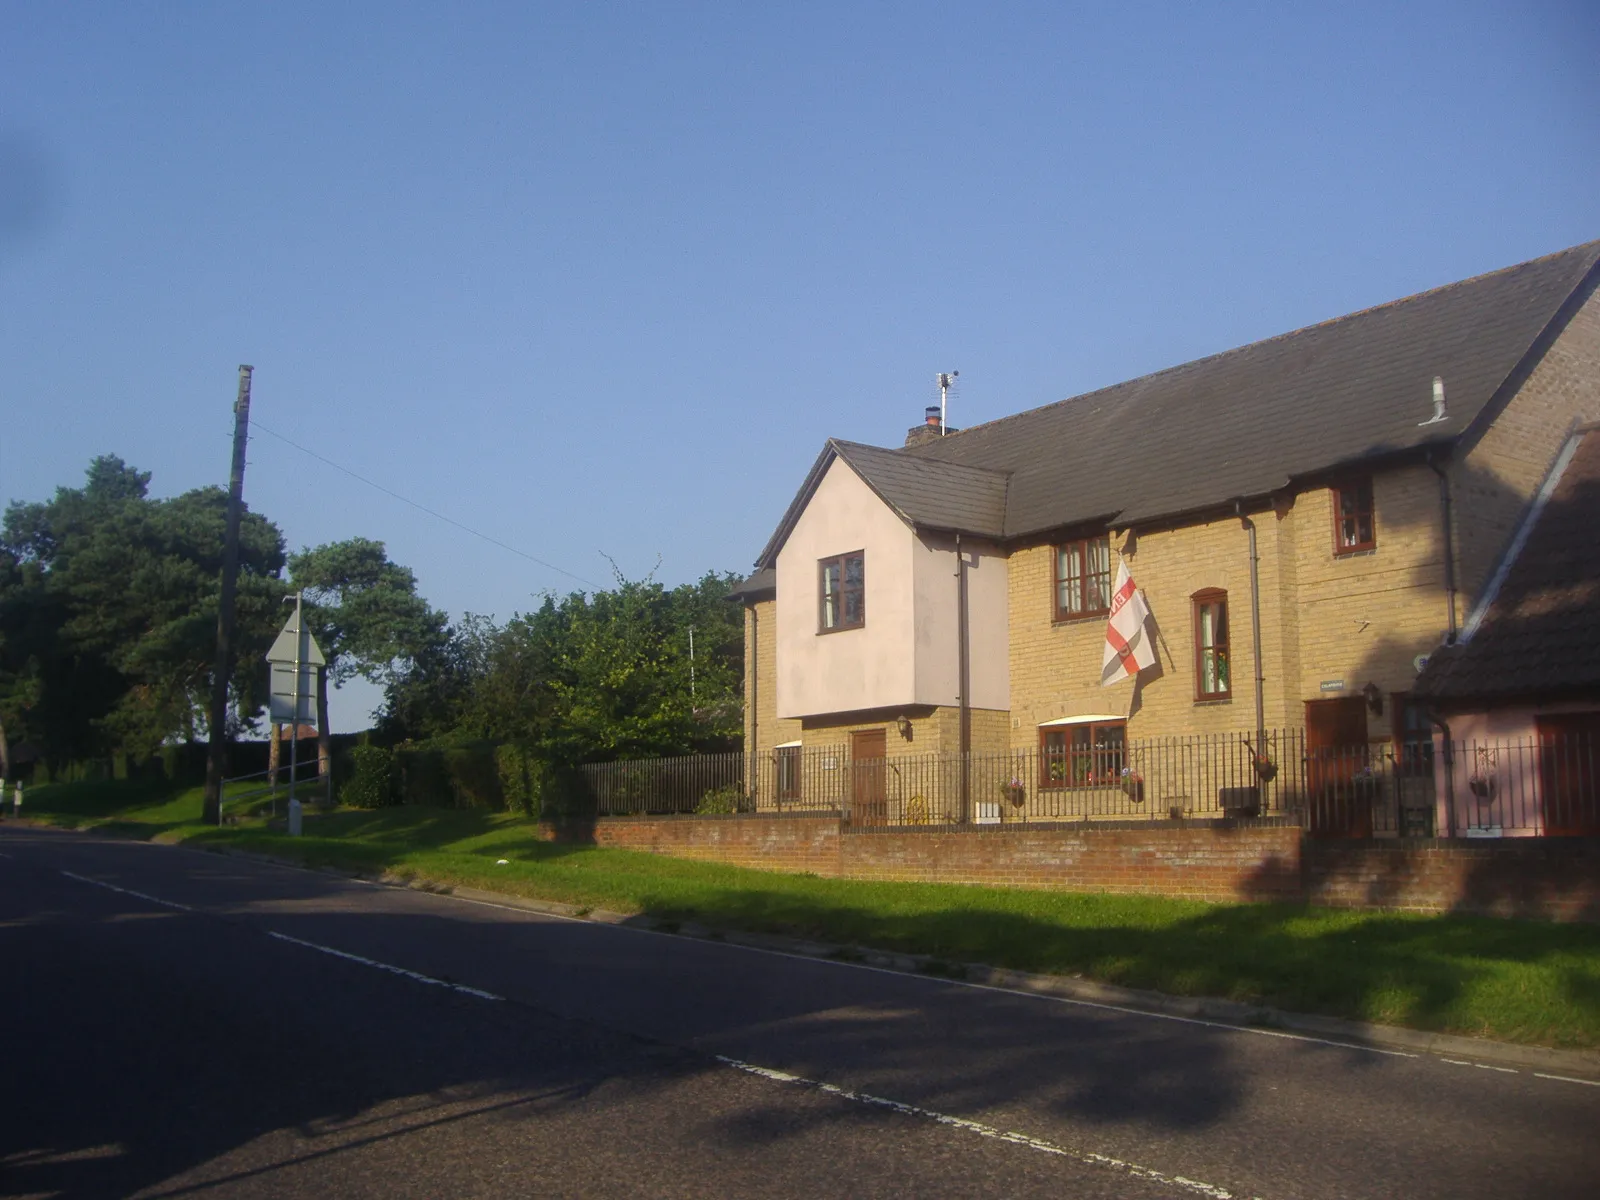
(423, 507)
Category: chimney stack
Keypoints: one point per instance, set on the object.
(929, 429)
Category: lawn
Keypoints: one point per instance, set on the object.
(1520, 981)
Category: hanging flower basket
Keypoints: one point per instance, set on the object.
(1132, 784)
(1015, 792)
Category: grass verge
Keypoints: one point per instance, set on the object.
(1517, 981)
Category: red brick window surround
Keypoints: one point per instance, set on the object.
(842, 592)
(1083, 755)
(1082, 579)
(1213, 669)
(1354, 528)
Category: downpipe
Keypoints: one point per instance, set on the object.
(1449, 546)
(963, 666)
(1255, 626)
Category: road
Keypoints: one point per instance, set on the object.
(174, 1023)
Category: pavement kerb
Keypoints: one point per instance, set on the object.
(1581, 1064)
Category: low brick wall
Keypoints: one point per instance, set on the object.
(768, 843)
(1552, 879)
(1546, 878)
(1202, 860)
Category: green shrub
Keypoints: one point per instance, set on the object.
(474, 777)
(371, 783)
(729, 798)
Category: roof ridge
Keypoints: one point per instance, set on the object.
(1592, 247)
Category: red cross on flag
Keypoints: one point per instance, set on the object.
(1128, 648)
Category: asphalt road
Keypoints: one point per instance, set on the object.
(175, 1023)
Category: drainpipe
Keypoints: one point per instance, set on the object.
(1449, 773)
(962, 671)
(1255, 627)
(754, 748)
(1449, 546)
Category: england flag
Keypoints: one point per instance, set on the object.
(1128, 648)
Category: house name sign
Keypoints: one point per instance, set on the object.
(1333, 685)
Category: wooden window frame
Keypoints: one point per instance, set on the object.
(1104, 764)
(1199, 601)
(840, 560)
(1079, 546)
(790, 763)
(1362, 486)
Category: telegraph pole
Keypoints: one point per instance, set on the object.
(216, 760)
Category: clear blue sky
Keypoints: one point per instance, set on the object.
(599, 278)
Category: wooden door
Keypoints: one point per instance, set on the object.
(869, 804)
(1569, 774)
(1338, 786)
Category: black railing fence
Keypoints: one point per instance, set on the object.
(1548, 786)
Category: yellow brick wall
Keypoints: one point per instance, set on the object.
(933, 731)
(1358, 618)
(761, 711)
(1363, 618)
(1498, 476)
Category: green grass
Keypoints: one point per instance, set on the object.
(1520, 981)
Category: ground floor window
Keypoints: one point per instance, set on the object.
(1085, 754)
(788, 772)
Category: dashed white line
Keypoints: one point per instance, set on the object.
(987, 1131)
(1568, 1079)
(111, 887)
(418, 976)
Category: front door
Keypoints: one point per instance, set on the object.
(1340, 787)
(1569, 774)
(868, 798)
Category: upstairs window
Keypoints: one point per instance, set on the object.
(1088, 754)
(1083, 579)
(1213, 670)
(1353, 526)
(842, 602)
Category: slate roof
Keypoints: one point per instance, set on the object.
(1539, 635)
(1246, 422)
(1240, 424)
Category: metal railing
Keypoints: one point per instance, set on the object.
(1467, 788)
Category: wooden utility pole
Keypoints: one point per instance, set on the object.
(216, 761)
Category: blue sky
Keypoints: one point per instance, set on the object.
(599, 279)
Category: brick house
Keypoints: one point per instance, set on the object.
(1309, 518)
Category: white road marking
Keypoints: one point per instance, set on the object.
(111, 887)
(1568, 1079)
(987, 1131)
(383, 966)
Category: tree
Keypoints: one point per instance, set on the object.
(108, 604)
(589, 677)
(366, 615)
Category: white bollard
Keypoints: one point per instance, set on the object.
(16, 800)
(294, 818)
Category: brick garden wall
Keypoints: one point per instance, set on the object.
(1545, 878)
(1552, 879)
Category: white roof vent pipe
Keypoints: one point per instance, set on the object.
(1438, 403)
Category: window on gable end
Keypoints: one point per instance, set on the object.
(842, 592)
(1213, 668)
(1353, 525)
